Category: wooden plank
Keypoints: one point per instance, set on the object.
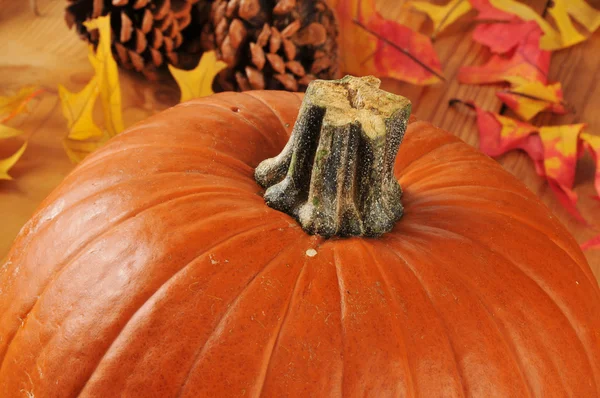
(42, 51)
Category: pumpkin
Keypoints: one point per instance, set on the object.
(156, 269)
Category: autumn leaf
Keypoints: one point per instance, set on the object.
(487, 12)
(561, 11)
(108, 75)
(12, 105)
(8, 132)
(527, 99)
(373, 45)
(592, 143)
(77, 150)
(198, 82)
(561, 150)
(499, 134)
(593, 243)
(78, 110)
(554, 150)
(443, 16)
(503, 37)
(9, 162)
(527, 62)
(85, 136)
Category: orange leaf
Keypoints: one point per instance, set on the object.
(528, 99)
(527, 62)
(373, 45)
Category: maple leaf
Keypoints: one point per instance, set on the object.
(373, 45)
(11, 106)
(592, 143)
(7, 163)
(78, 109)
(527, 99)
(593, 243)
(561, 150)
(442, 16)
(554, 150)
(84, 134)
(502, 37)
(108, 75)
(561, 11)
(198, 82)
(487, 12)
(527, 61)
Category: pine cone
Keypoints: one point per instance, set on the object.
(280, 44)
(146, 33)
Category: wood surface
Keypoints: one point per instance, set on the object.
(41, 50)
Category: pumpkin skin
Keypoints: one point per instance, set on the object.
(156, 270)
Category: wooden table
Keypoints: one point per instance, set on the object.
(41, 50)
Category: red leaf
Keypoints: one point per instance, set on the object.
(373, 45)
(488, 12)
(526, 61)
(554, 150)
(593, 243)
(502, 37)
(499, 134)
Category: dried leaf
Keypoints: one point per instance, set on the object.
(592, 143)
(78, 109)
(108, 75)
(487, 12)
(9, 162)
(560, 10)
(527, 62)
(593, 243)
(12, 105)
(527, 99)
(373, 45)
(198, 82)
(443, 16)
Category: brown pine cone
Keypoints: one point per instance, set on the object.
(147, 34)
(284, 46)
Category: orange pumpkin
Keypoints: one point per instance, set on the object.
(156, 270)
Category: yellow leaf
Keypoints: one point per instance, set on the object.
(7, 132)
(78, 110)
(561, 11)
(584, 14)
(6, 164)
(528, 98)
(12, 105)
(443, 16)
(108, 75)
(197, 82)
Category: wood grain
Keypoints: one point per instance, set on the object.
(41, 50)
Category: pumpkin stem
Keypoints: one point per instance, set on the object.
(336, 173)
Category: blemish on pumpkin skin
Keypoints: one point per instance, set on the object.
(311, 252)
